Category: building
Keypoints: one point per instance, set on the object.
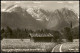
(75, 40)
(37, 37)
(64, 40)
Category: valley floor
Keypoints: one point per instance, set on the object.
(67, 47)
(25, 45)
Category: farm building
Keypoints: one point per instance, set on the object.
(64, 40)
(41, 37)
(75, 40)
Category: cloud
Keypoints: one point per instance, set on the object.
(3, 1)
(59, 2)
(37, 2)
(17, 2)
(70, 2)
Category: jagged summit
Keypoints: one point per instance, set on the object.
(63, 18)
(37, 14)
(10, 8)
(33, 18)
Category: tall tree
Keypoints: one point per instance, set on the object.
(68, 34)
(2, 30)
(9, 30)
(56, 36)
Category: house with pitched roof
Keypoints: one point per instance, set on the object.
(38, 37)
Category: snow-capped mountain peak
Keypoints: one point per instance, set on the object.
(12, 8)
(37, 14)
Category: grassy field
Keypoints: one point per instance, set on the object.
(70, 47)
(26, 44)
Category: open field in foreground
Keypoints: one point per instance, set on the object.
(26, 45)
(70, 47)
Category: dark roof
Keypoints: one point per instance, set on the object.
(40, 35)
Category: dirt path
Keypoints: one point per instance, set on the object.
(57, 48)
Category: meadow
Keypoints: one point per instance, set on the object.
(70, 47)
(26, 45)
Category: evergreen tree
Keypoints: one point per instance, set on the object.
(56, 36)
(9, 30)
(2, 30)
(68, 34)
(2, 35)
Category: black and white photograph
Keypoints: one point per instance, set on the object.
(39, 26)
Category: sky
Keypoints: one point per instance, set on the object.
(49, 5)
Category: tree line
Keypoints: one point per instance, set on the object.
(18, 33)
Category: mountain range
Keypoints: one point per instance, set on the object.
(37, 18)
